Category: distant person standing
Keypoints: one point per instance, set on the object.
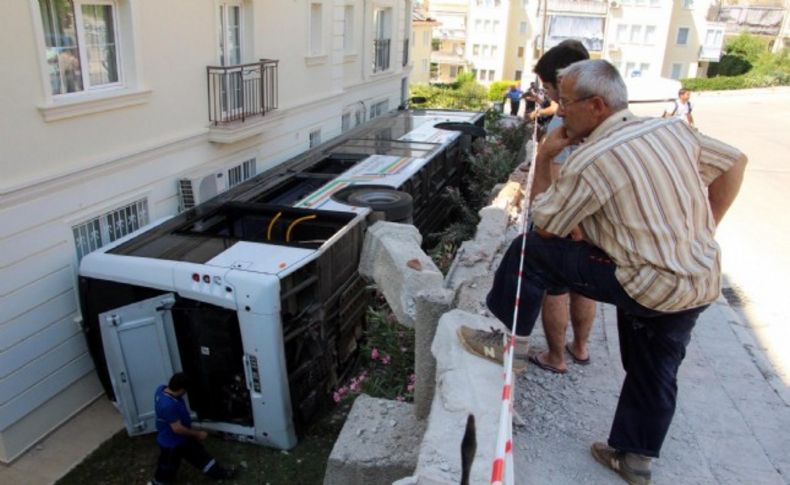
(680, 108)
(514, 95)
(177, 439)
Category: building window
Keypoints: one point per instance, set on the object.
(241, 172)
(495, 25)
(81, 39)
(676, 71)
(491, 75)
(453, 72)
(379, 109)
(485, 50)
(517, 76)
(688, 4)
(629, 69)
(636, 34)
(650, 34)
(644, 68)
(476, 49)
(683, 36)
(520, 52)
(316, 29)
(522, 27)
(655, 3)
(487, 24)
(478, 24)
(348, 29)
(493, 50)
(99, 231)
(622, 33)
(315, 137)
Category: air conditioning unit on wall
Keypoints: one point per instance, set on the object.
(204, 185)
(196, 190)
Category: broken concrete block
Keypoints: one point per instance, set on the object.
(392, 257)
(378, 443)
(466, 384)
(431, 305)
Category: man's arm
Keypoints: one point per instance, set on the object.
(182, 430)
(724, 188)
(690, 118)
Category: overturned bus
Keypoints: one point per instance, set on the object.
(255, 293)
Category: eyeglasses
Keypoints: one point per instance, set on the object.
(564, 104)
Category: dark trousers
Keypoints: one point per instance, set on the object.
(170, 459)
(514, 107)
(652, 343)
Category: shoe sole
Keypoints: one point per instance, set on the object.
(516, 369)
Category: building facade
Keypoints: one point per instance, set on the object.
(502, 39)
(421, 41)
(118, 113)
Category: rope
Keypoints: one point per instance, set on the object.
(502, 469)
(294, 223)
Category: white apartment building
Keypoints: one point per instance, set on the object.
(111, 106)
(421, 41)
(449, 55)
(669, 38)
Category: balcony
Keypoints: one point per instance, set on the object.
(405, 52)
(240, 92)
(710, 53)
(443, 57)
(574, 7)
(238, 98)
(381, 55)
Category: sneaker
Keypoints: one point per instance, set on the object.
(489, 344)
(615, 460)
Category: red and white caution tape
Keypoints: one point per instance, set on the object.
(502, 470)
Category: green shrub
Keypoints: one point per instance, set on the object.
(468, 96)
(497, 89)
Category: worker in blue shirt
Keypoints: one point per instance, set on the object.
(514, 95)
(177, 439)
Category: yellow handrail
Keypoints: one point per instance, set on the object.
(295, 222)
(271, 225)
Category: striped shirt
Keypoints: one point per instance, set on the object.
(638, 189)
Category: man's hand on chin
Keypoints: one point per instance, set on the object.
(553, 143)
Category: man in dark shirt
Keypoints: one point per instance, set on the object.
(177, 439)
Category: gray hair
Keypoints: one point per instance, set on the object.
(598, 78)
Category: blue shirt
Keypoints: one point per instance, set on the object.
(170, 409)
(514, 94)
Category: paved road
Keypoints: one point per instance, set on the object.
(755, 234)
(733, 416)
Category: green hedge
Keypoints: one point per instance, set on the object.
(497, 89)
(744, 81)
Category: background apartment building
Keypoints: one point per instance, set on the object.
(502, 39)
(421, 42)
(117, 113)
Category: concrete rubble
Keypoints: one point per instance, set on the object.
(378, 443)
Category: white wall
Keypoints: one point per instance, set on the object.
(56, 174)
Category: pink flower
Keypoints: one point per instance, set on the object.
(400, 398)
(336, 397)
(354, 385)
(374, 354)
(410, 387)
(386, 360)
(413, 378)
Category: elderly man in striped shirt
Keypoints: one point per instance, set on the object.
(630, 221)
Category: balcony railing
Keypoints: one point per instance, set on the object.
(405, 52)
(381, 55)
(241, 91)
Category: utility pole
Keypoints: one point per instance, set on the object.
(543, 32)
